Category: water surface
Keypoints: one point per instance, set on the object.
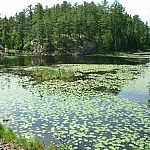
(108, 109)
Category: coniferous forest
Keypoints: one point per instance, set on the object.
(85, 28)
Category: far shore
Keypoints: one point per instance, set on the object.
(140, 54)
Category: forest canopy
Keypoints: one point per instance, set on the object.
(87, 28)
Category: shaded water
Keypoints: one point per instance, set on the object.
(80, 113)
(48, 60)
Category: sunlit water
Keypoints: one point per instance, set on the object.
(140, 90)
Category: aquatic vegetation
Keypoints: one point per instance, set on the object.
(57, 147)
(50, 73)
(86, 113)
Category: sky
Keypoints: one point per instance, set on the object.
(133, 7)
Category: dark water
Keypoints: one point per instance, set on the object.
(48, 60)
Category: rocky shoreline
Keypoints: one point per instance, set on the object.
(4, 145)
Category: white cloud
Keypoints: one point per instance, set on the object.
(137, 7)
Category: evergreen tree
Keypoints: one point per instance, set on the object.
(81, 27)
(5, 33)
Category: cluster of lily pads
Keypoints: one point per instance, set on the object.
(97, 78)
(85, 113)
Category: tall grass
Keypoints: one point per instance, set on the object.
(7, 134)
(46, 74)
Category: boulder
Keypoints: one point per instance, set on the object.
(36, 45)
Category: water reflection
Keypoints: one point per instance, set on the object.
(139, 90)
(48, 60)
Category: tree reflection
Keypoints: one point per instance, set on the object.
(148, 101)
(149, 88)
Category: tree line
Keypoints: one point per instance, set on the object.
(87, 27)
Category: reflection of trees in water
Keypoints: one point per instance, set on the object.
(149, 88)
(37, 61)
(148, 101)
(22, 61)
(48, 60)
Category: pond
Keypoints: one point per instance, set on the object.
(106, 108)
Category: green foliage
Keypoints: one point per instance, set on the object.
(2, 131)
(28, 46)
(35, 144)
(107, 41)
(6, 133)
(46, 74)
(30, 144)
(9, 135)
(72, 28)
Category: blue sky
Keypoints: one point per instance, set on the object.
(133, 7)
